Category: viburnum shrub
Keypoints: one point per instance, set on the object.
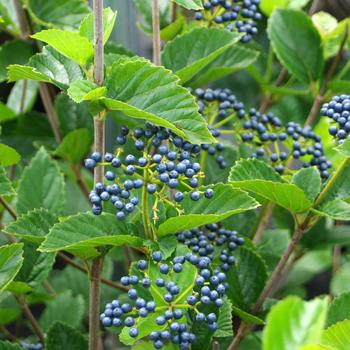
(195, 201)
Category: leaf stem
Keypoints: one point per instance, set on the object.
(145, 209)
(156, 32)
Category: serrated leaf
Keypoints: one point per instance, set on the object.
(66, 308)
(245, 316)
(86, 28)
(5, 345)
(226, 201)
(336, 209)
(339, 309)
(61, 336)
(344, 148)
(246, 279)
(297, 44)
(293, 323)
(337, 336)
(36, 266)
(338, 86)
(82, 233)
(69, 44)
(75, 145)
(8, 155)
(14, 52)
(144, 91)
(29, 89)
(191, 52)
(41, 185)
(66, 14)
(225, 321)
(11, 260)
(84, 90)
(32, 226)
(259, 178)
(190, 4)
(309, 180)
(17, 72)
(235, 58)
(6, 188)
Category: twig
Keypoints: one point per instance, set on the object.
(49, 288)
(22, 20)
(81, 183)
(9, 208)
(28, 313)
(216, 345)
(8, 335)
(23, 96)
(336, 258)
(174, 12)
(320, 96)
(99, 146)
(156, 32)
(263, 221)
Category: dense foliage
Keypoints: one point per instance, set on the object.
(217, 219)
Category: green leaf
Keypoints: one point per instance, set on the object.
(226, 201)
(36, 266)
(235, 58)
(61, 336)
(344, 148)
(5, 345)
(86, 28)
(14, 52)
(297, 44)
(148, 345)
(309, 180)
(82, 233)
(173, 29)
(267, 6)
(84, 90)
(256, 176)
(190, 4)
(5, 184)
(11, 260)
(245, 316)
(8, 155)
(69, 44)
(337, 336)
(341, 280)
(338, 86)
(8, 315)
(336, 209)
(75, 145)
(6, 113)
(18, 72)
(32, 226)
(144, 91)
(65, 308)
(246, 279)
(339, 309)
(30, 91)
(191, 52)
(225, 321)
(41, 185)
(293, 323)
(65, 14)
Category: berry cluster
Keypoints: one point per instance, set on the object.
(205, 241)
(164, 161)
(270, 139)
(29, 346)
(236, 15)
(338, 109)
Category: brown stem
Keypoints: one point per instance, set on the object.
(47, 285)
(174, 12)
(156, 32)
(23, 96)
(9, 208)
(336, 258)
(22, 20)
(216, 346)
(264, 219)
(80, 180)
(320, 96)
(8, 335)
(28, 313)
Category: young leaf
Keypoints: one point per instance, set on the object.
(309, 181)
(235, 58)
(257, 177)
(297, 44)
(41, 185)
(61, 336)
(82, 233)
(190, 4)
(226, 201)
(344, 148)
(11, 260)
(32, 226)
(17, 72)
(339, 309)
(75, 145)
(225, 321)
(84, 90)
(246, 279)
(86, 28)
(69, 44)
(8, 155)
(65, 14)
(66, 308)
(337, 336)
(191, 52)
(144, 91)
(293, 323)
(5, 184)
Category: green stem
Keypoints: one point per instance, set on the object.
(269, 63)
(145, 209)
